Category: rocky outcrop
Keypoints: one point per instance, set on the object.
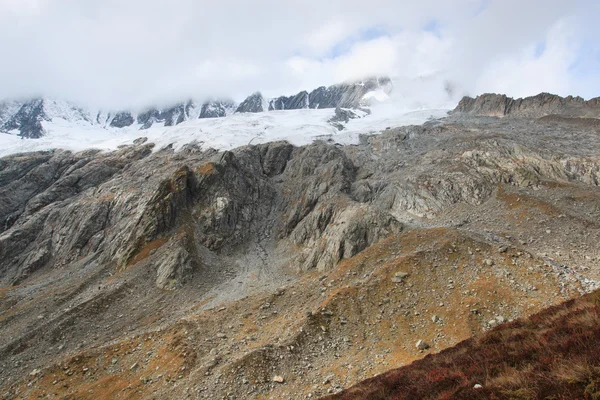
(253, 104)
(149, 117)
(179, 113)
(122, 119)
(343, 116)
(8, 109)
(296, 102)
(216, 109)
(28, 120)
(499, 105)
(347, 95)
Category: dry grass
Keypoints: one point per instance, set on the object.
(552, 355)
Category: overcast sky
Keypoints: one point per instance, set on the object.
(131, 53)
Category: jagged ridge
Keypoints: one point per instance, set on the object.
(499, 105)
(27, 118)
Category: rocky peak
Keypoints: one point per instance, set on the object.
(296, 102)
(179, 113)
(499, 105)
(348, 95)
(344, 95)
(28, 120)
(216, 108)
(253, 104)
(122, 119)
(8, 109)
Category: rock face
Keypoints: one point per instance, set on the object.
(296, 102)
(7, 110)
(343, 116)
(216, 109)
(28, 120)
(253, 104)
(149, 117)
(184, 112)
(345, 95)
(122, 120)
(179, 113)
(497, 105)
(348, 95)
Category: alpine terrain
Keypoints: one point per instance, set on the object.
(293, 247)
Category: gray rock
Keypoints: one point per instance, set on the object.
(122, 119)
(422, 345)
(216, 109)
(296, 102)
(253, 104)
(28, 120)
(543, 104)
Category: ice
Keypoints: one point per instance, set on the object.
(298, 127)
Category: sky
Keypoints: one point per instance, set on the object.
(136, 53)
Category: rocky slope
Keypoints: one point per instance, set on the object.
(274, 271)
(553, 354)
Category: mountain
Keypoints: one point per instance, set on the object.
(28, 118)
(34, 118)
(253, 104)
(210, 260)
(345, 95)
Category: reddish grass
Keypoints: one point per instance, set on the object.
(554, 354)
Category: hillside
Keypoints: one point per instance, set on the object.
(552, 354)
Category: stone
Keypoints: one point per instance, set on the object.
(400, 276)
(278, 379)
(477, 386)
(422, 345)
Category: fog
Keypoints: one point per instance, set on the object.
(134, 53)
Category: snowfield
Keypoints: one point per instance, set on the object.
(298, 127)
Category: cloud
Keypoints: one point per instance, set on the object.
(118, 53)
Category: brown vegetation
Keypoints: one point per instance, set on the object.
(554, 354)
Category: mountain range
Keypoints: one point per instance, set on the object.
(29, 118)
(259, 268)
